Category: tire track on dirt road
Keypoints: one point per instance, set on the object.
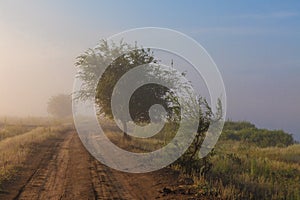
(62, 168)
(49, 181)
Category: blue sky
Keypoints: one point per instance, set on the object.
(256, 45)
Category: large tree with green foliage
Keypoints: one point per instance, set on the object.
(92, 63)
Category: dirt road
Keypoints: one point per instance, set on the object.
(61, 168)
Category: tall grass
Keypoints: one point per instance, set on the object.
(242, 171)
(12, 130)
(237, 169)
(14, 150)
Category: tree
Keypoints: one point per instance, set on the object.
(92, 63)
(60, 106)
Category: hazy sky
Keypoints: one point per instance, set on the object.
(256, 46)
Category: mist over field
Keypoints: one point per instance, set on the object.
(257, 52)
(173, 99)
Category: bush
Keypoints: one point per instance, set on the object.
(247, 132)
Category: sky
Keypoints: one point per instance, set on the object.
(255, 44)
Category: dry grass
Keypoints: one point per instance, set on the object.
(241, 171)
(14, 150)
(13, 130)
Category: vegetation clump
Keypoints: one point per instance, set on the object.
(247, 132)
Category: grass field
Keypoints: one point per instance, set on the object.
(17, 140)
(15, 149)
(243, 171)
(237, 169)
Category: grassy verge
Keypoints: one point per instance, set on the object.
(243, 171)
(13, 130)
(14, 150)
(239, 170)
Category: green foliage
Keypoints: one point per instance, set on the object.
(247, 132)
(113, 61)
(189, 162)
(243, 167)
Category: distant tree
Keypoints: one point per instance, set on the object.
(60, 106)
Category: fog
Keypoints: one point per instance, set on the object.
(258, 59)
(30, 73)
